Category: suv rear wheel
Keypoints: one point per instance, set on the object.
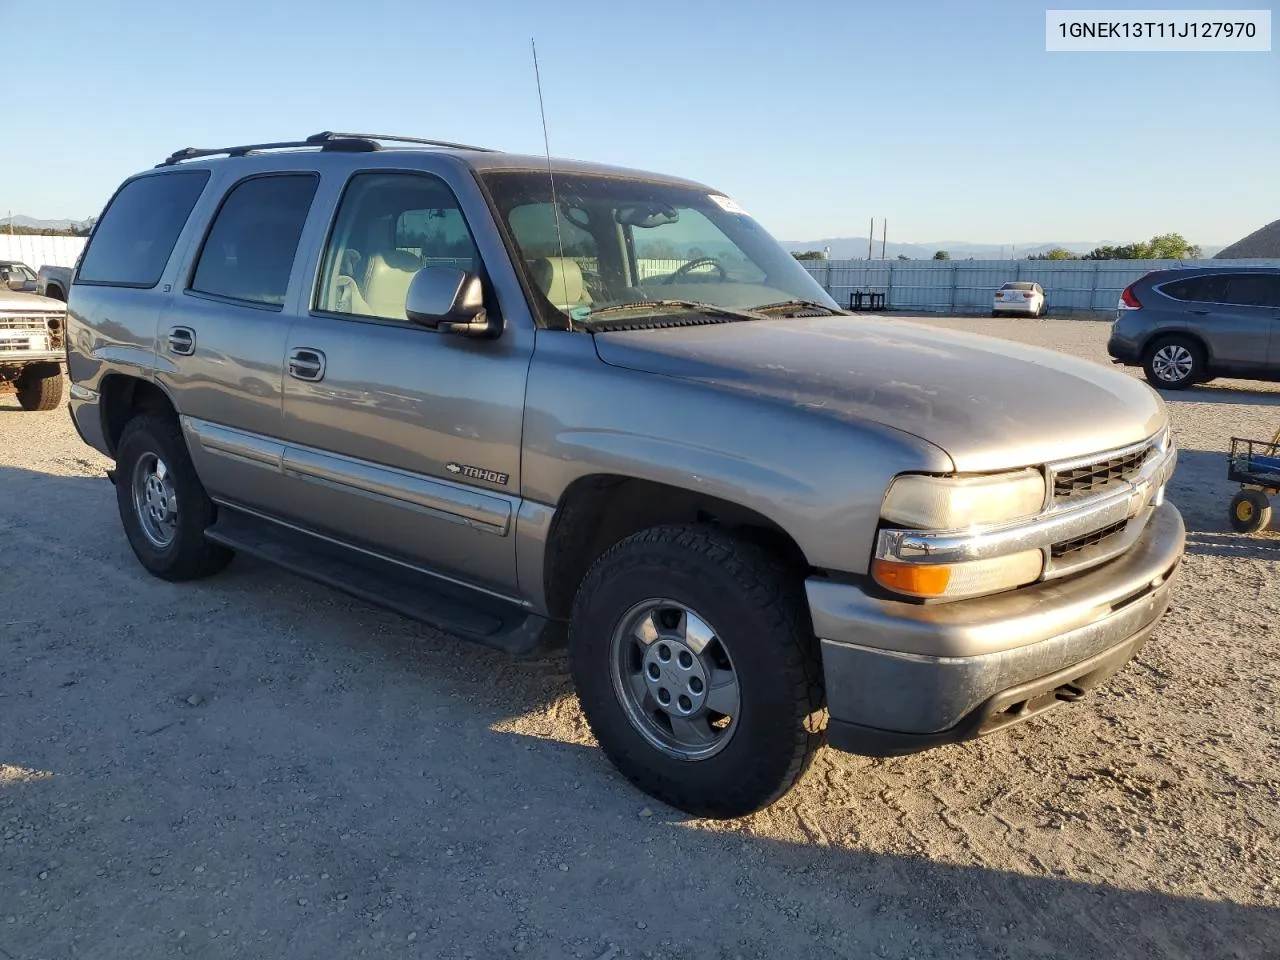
(163, 505)
(39, 387)
(1174, 363)
(697, 669)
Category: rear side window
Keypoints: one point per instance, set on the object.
(1211, 289)
(249, 252)
(1253, 290)
(132, 242)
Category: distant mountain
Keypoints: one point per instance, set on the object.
(36, 224)
(855, 248)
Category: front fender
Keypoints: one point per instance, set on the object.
(819, 477)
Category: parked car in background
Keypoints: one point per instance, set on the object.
(32, 351)
(375, 366)
(1187, 325)
(17, 276)
(54, 282)
(1022, 297)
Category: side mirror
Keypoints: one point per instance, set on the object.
(448, 300)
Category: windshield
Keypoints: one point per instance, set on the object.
(635, 248)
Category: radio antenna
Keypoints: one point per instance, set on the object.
(555, 204)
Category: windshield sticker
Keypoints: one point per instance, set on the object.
(727, 205)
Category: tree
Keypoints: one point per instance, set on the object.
(942, 255)
(1057, 253)
(1165, 246)
(903, 256)
(1172, 246)
(809, 255)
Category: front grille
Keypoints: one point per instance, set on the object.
(1066, 547)
(1090, 478)
(29, 321)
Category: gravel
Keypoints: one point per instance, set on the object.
(253, 766)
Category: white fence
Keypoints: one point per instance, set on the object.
(37, 250)
(967, 286)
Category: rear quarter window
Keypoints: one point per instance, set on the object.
(135, 236)
(1197, 289)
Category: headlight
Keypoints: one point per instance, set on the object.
(957, 503)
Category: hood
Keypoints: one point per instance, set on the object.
(990, 404)
(11, 301)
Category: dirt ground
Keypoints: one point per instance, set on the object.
(253, 766)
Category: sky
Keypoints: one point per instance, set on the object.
(949, 119)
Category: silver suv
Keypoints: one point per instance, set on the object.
(524, 399)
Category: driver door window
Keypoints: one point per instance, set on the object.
(389, 226)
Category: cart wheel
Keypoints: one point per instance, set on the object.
(1250, 511)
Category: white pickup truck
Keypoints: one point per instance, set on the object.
(54, 282)
(32, 348)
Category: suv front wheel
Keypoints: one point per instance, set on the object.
(697, 669)
(1174, 363)
(163, 505)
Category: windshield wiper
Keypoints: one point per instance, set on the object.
(797, 305)
(708, 308)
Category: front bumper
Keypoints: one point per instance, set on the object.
(902, 677)
(34, 356)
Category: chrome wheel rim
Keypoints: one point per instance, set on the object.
(675, 680)
(1172, 362)
(154, 500)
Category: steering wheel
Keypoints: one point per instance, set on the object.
(692, 265)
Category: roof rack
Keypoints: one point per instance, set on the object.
(325, 140)
(329, 135)
(343, 144)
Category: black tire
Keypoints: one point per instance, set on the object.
(55, 292)
(760, 616)
(1250, 511)
(1194, 371)
(40, 387)
(995, 313)
(188, 555)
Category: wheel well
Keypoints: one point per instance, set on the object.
(55, 290)
(597, 511)
(123, 397)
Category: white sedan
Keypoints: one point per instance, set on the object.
(1022, 296)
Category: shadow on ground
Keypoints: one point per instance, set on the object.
(1209, 393)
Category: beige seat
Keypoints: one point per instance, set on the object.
(387, 277)
(561, 280)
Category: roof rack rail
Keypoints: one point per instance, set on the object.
(335, 142)
(329, 136)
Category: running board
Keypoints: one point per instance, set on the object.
(450, 608)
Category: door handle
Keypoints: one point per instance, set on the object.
(182, 341)
(306, 364)
(1201, 313)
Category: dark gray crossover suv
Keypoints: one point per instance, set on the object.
(1189, 325)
